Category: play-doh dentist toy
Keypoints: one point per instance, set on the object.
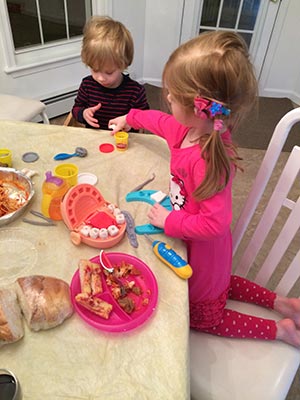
(91, 219)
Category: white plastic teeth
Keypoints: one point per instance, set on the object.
(117, 211)
(120, 218)
(85, 230)
(113, 230)
(94, 233)
(111, 208)
(103, 234)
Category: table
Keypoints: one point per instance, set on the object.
(74, 360)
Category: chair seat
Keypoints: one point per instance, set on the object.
(241, 369)
(21, 109)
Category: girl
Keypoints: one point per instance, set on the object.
(211, 86)
(107, 48)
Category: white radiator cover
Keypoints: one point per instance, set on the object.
(60, 104)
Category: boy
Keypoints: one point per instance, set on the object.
(107, 48)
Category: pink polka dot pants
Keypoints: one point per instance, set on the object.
(238, 325)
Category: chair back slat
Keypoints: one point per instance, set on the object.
(280, 246)
(272, 154)
(290, 277)
(278, 198)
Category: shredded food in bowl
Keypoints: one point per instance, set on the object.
(11, 200)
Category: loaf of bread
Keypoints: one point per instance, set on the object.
(11, 323)
(45, 301)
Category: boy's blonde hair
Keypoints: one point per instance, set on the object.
(106, 43)
(215, 65)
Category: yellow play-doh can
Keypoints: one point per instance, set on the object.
(121, 140)
(5, 158)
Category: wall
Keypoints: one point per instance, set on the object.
(280, 75)
(162, 36)
(132, 14)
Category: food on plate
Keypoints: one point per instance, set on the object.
(94, 304)
(90, 278)
(45, 301)
(11, 324)
(127, 304)
(122, 284)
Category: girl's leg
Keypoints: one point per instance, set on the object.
(238, 325)
(288, 307)
(242, 289)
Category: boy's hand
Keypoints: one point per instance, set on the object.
(88, 115)
(119, 124)
(158, 215)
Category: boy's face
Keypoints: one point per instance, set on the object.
(110, 76)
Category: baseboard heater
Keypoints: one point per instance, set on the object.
(60, 104)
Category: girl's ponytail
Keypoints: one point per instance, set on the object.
(218, 166)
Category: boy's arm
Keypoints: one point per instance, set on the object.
(80, 104)
(141, 102)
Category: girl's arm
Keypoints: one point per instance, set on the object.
(153, 120)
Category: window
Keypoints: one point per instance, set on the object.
(40, 34)
(39, 22)
(235, 15)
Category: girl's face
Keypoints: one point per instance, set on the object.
(109, 77)
(180, 113)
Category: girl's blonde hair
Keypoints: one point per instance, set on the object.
(106, 43)
(215, 65)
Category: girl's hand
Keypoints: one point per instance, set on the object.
(158, 215)
(88, 115)
(119, 124)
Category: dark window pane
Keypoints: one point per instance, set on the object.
(229, 13)
(53, 20)
(203, 30)
(247, 37)
(24, 23)
(77, 16)
(249, 14)
(24, 20)
(210, 12)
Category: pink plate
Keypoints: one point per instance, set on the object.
(119, 320)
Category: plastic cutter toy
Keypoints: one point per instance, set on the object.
(145, 196)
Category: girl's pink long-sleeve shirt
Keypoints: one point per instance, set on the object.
(205, 225)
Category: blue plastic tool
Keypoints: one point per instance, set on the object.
(169, 257)
(145, 196)
(79, 152)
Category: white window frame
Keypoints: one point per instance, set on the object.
(40, 58)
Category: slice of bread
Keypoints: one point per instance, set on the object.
(45, 301)
(11, 324)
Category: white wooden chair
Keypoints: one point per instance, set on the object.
(242, 369)
(21, 109)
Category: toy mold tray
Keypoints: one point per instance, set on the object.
(84, 211)
(119, 320)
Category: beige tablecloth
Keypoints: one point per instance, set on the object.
(74, 360)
